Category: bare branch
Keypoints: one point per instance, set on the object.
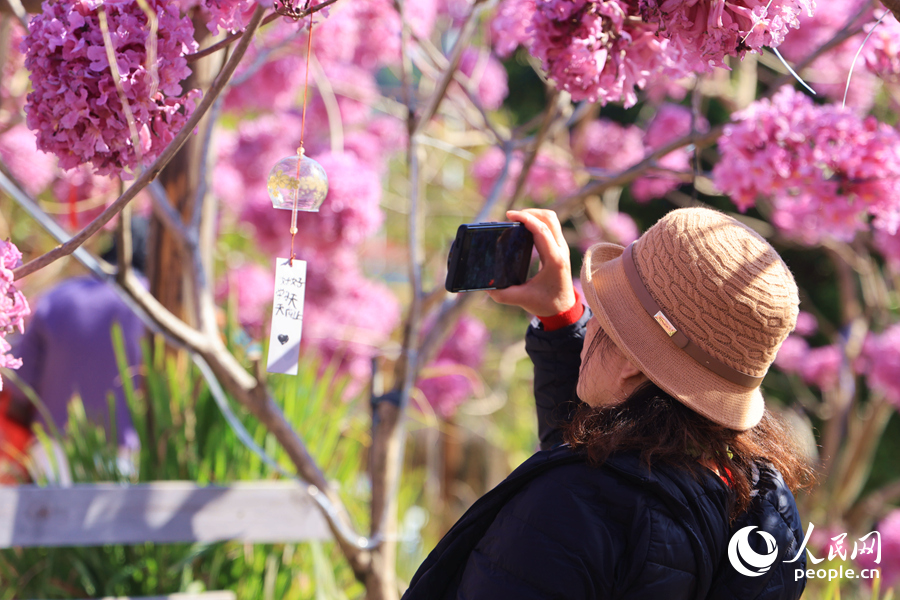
(440, 91)
(151, 173)
(549, 117)
(18, 9)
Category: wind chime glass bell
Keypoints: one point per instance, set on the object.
(308, 189)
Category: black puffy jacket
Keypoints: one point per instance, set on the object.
(559, 528)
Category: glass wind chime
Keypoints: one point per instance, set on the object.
(296, 183)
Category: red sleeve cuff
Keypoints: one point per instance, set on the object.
(565, 318)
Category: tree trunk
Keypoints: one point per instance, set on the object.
(169, 279)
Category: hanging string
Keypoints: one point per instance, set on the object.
(300, 150)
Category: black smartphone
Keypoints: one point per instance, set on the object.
(488, 256)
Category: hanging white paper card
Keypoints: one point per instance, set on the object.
(287, 316)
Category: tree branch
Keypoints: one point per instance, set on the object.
(440, 91)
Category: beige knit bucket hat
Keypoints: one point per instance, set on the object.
(700, 303)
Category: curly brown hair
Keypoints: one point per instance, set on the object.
(664, 431)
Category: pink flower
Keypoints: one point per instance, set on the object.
(281, 75)
(671, 122)
(807, 324)
(549, 177)
(74, 107)
(881, 51)
(351, 211)
(382, 138)
(832, 67)
(253, 288)
(604, 144)
(792, 354)
(888, 539)
(621, 228)
(706, 32)
(456, 10)
(882, 355)
(825, 170)
(13, 305)
(34, 170)
(511, 26)
(12, 92)
(230, 15)
(821, 367)
(347, 317)
(369, 31)
(616, 228)
(464, 348)
(247, 156)
(599, 50)
(487, 75)
(889, 247)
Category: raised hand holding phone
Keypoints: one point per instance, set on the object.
(550, 292)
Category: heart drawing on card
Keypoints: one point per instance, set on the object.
(282, 338)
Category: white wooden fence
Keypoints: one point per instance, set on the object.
(162, 512)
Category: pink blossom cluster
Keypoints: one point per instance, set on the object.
(831, 68)
(455, 10)
(888, 245)
(671, 122)
(511, 26)
(882, 52)
(600, 50)
(881, 360)
(807, 324)
(706, 32)
(816, 366)
(269, 78)
(367, 32)
(549, 177)
(13, 305)
(347, 317)
(889, 540)
(233, 15)
(230, 15)
(251, 286)
(248, 154)
(607, 145)
(614, 227)
(464, 348)
(487, 76)
(34, 170)
(12, 96)
(352, 209)
(75, 108)
(383, 137)
(824, 170)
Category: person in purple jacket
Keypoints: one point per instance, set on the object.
(67, 350)
(661, 474)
